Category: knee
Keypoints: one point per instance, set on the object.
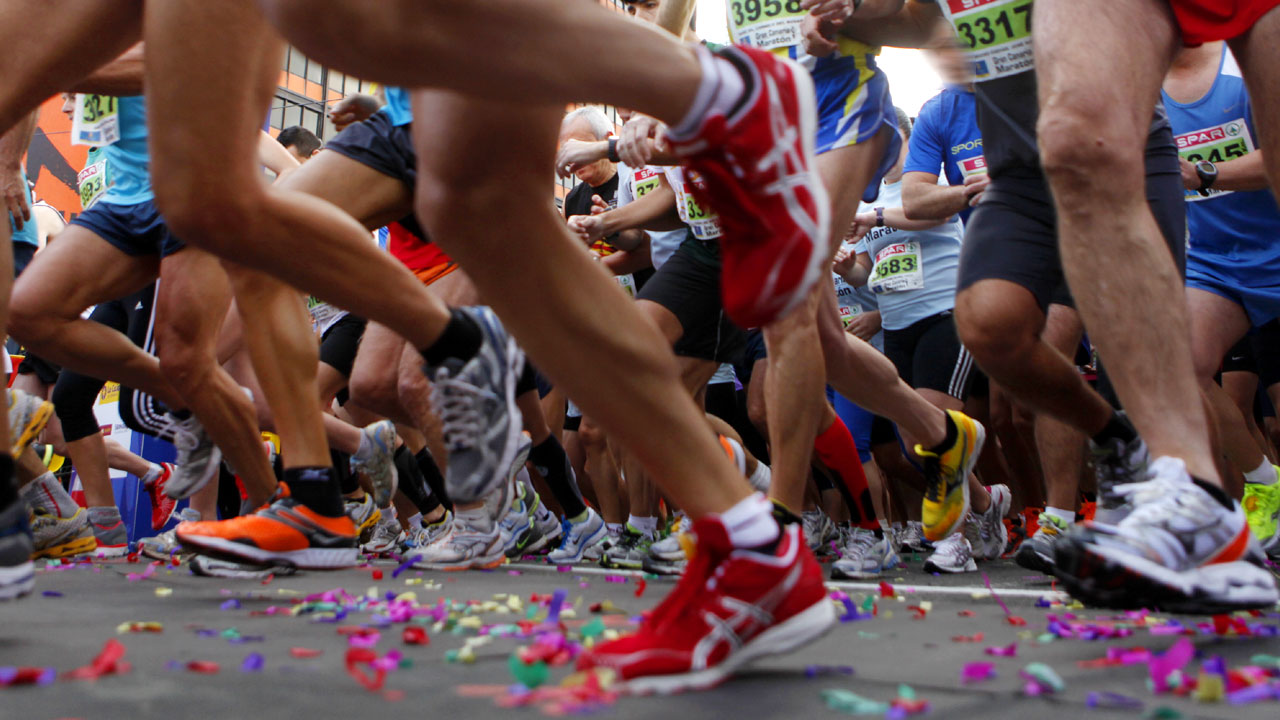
(213, 221)
(446, 204)
(993, 331)
(30, 320)
(1081, 142)
(184, 366)
(757, 413)
(591, 436)
(375, 391)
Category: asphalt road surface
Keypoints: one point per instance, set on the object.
(916, 643)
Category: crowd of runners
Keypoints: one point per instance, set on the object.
(776, 318)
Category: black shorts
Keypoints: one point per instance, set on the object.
(1012, 234)
(1240, 358)
(690, 289)
(22, 254)
(341, 342)
(528, 380)
(377, 144)
(133, 229)
(883, 431)
(1266, 348)
(754, 352)
(46, 371)
(929, 356)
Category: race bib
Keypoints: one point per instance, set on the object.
(897, 268)
(646, 181)
(627, 283)
(996, 34)
(1217, 144)
(766, 24)
(847, 314)
(973, 166)
(323, 315)
(92, 182)
(97, 120)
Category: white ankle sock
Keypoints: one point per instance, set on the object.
(646, 525)
(1066, 516)
(151, 475)
(416, 520)
(721, 87)
(614, 529)
(761, 477)
(1264, 474)
(750, 523)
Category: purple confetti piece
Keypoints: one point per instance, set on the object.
(987, 581)
(1112, 700)
(402, 567)
(232, 604)
(253, 662)
(564, 568)
(1254, 693)
(51, 593)
(977, 672)
(557, 601)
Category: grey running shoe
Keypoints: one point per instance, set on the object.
(1181, 549)
(430, 532)
(579, 539)
(166, 545)
(596, 552)
(863, 555)
(819, 531)
(206, 566)
(547, 526)
(198, 457)
(112, 539)
(953, 554)
(17, 574)
(387, 537)
(57, 537)
(1117, 464)
(378, 464)
(630, 550)
(986, 532)
(28, 415)
(1036, 553)
(365, 515)
(475, 401)
(516, 526)
(465, 546)
(912, 538)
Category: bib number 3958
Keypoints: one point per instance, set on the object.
(766, 24)
(97, 120)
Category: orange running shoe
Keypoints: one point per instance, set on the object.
(282, 532)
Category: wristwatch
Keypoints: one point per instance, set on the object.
(1208, 173)
(879, 217)
(613, 150)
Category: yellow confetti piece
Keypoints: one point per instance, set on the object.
(980, 595)
(471, 622)
(887, 614)
(164, 591)
(407, 597)
(466, 655)
(514, 603)
(413, 581)
(568, 613)
(926, 606)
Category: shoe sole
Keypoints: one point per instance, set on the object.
(177, 491)
(794, 632)
(966, 468)
(75, 546)
(163, 557)
(112, 551)
(34, 426)
(930, 567)
(17, 580)
(476, 564)
(308, 559)
(1105, 579)
(587, 544)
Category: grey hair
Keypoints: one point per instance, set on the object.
(595, 117)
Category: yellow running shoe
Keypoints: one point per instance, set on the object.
(366, 516)
(946, 475)
(1262, 509)
(58, 537)
(28, 415)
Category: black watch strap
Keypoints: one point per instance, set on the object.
(879, 217)
(613, 150)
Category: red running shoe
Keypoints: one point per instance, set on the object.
(730, 608)
(161, 505)
(758, 166)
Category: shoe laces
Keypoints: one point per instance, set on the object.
(458, 404)
(859, 541)
(183, 438)
(688, 590)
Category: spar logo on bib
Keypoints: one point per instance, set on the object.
(1217, 144)
(973, 166)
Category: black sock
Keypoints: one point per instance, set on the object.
(950, 438)
(1218, 493)
(1117, 428)
(347, 481)
(412, 484)
(317, 488)
(8, 481)
(461, 339)
(552, 463)
(435, 479)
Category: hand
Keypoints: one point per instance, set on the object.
(1190, 178)
(576, 154)
(598, 205)
(864, 325)
(846, 260)
(818, 36)
(588, 228)
(352, 109)
(835, 10)
(634, 147)
(974, 185)
(862, 224)
(14, 191)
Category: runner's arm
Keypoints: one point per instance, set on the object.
(924, 198)
(629, 261)
(121, 77)
(13, 189)
(854, 267)
(575, 154)
(274, 156)
(653, 211)
(1241, 174)
(912, 25)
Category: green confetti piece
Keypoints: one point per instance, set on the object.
(852, 703)
(593, 628)
(530, 675)
(868, 635)
(451, 655)
(869, 603)
(1045, 675)
(906, 692)
(406, 663)
(230, 633)
(1261, 659)
(1162, 713)
(1046, 638)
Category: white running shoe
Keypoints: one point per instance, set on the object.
(546, 525)
(166, 545)
(863, 555)
(580, 538)
(465, 546)
(986, 532)
(428, 533)
(819, 531)
(951, 555)
(912, 538)
(1181, 549)
(387, 537)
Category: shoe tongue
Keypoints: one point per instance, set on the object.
(712, 537)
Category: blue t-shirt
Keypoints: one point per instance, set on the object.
(397, 107)
(28, 232)
(946, 135)
(914, 271)
(1237, 227)
(129, 158)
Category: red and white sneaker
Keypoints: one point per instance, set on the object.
(758, 166)
(730, 608)
(282, 532)
(161, 505)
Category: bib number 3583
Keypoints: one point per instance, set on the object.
(97, 120)
(897, 269)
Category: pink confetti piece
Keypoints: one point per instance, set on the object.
(1160, 667)
(1010, 650)
(977, 672)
